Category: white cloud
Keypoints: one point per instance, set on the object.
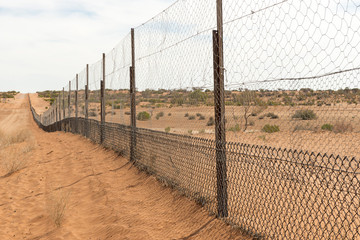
(44, 43)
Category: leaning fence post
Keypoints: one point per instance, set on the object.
(102, 100)
(76, 102)
(219, 103)
(132, 99)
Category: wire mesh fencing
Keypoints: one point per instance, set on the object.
(250, 108)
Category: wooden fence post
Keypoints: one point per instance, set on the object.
(219, 102)
(132, 100)
(102, 89)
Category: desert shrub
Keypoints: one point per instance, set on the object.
(127, 113)
(159, 115)
(251, 123)
(272, 115)
(167, 129)
(143, 116)
(253, 114)
(93, 114)
(186, 115)
(169, 114)
(236, 128)
(190, 132)
(305, 114)
(211, 122)
(270, 128)
(202, 131)
(198, 114)
(343, 127)
(303, 128)
(191, 117)
(327, 127)
(201, 117)
(261, 117)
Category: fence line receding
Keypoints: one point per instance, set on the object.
(250, 108)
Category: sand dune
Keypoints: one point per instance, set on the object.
(70, 188)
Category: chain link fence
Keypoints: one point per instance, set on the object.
(250, 108)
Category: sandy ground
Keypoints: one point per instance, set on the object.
(102, 195)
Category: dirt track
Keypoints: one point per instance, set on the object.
(106, 198)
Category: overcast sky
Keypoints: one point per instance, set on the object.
(43, 43)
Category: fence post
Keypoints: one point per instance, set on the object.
(59, 106)
(87, 101)
(102, 89)
(69, 98)
(58, 126)
(56, 113)
(63, 103)
(132, 99)
(219, 103)
(76, 103)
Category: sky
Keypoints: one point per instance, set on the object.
(44, 43)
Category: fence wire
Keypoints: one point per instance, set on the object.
(277, 146)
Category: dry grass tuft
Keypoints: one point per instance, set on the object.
(14, 159)
(13, 138)
(14, 151)
(58, 200)
(342, 127)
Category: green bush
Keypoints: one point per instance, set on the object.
(167, 129)
(159, 115)
(305, 114)
(236, 128)
(270, 128)
(327, 127)
(143, 116)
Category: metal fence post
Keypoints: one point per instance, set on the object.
(56, 113)
(132, 99)
(87, 101)
(76, 103)
(102, 89)
(59, 106)
(69, 98)
(63, 103)
(219, 103)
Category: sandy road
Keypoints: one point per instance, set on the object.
(104, 196)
